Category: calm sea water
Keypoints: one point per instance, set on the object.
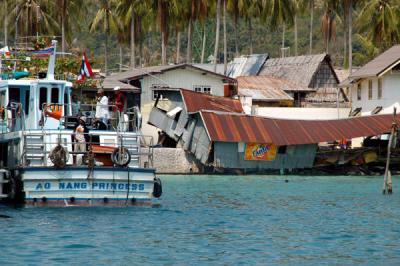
(209, 220)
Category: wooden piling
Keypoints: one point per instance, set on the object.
(387, 179)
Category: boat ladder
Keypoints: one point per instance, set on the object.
(34, 149)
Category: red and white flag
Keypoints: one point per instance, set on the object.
(85, 70)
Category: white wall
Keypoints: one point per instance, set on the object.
(302, 113)
(177, 78)
(390, 94)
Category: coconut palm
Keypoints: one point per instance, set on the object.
(217, 26)
(379, 20)
(105, 18)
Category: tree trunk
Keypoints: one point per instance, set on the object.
(236, 35)
(295, 35)
(63, 11)
(105, 54)
(283, 41)
(178, 47)
(189, 42)
(203, 48)
(120, 57)
(251, 36)
(5, 24)
(217, 34)
(133, 47)
(345, 40)
(350, 37)
(311, 25)
(225, 44)
(163, 49)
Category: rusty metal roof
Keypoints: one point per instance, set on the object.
(379, 64)
(196, 101)
(228, 127)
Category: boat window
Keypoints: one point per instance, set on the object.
(42, 97)
(54, 95)
(66, 102)
(13, 95)
(27, 95)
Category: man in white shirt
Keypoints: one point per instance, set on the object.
(102, 113)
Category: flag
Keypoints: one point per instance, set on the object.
(44, 52)
(85, 70)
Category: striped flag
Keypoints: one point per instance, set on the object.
(44, 52)
(85, 70)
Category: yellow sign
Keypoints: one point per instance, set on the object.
(260, 152)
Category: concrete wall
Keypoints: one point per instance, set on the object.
(178, 78)
(173, 161)
(390, 94)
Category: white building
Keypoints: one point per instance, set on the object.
(154, 80)
(375, 88)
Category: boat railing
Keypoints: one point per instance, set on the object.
(128, 120)
(12, 118)
(137, 145)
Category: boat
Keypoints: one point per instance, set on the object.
(39, 165)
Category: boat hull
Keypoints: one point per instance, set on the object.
(82, 186)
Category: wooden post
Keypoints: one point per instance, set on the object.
(387, 179)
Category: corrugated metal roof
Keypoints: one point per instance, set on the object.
(298, 69)
(227, 127)
(196, 101)
(379, 64)
(246, 65)
(265, 95)
(110, 83)
(152, 70)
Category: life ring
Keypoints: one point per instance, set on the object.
(121, 156)
(59, 156)
(157, 189)
(53, 110)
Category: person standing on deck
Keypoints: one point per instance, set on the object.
(102, 113)
(120, 108)
(81, 137)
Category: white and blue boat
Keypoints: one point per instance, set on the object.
(39, 165)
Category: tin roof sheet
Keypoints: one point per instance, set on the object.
(228, 127)
(379, 64)
(196, 101)
(246, 65)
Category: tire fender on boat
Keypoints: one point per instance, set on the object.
(157, 190)
(58, 156)
(121, 156)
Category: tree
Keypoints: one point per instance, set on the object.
(106, 17)
(328, 23)
(379, 19)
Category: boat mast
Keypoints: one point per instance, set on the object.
(52, 62)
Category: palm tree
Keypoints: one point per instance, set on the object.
(233, 7)
(311, 3)
(328, 23)
(130, 11)
(106, 17)
(379, 20)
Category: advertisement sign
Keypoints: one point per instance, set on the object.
(260, 152)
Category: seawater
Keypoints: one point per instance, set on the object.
(218, 220)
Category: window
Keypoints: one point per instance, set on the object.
(379, 88)
(54, 95)
(369, 89)
(356, 112)
(27, 95)
(42, 97)
(14, 95)
(159, 93)
(202, 88)
(359, 91)
(376, 110)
